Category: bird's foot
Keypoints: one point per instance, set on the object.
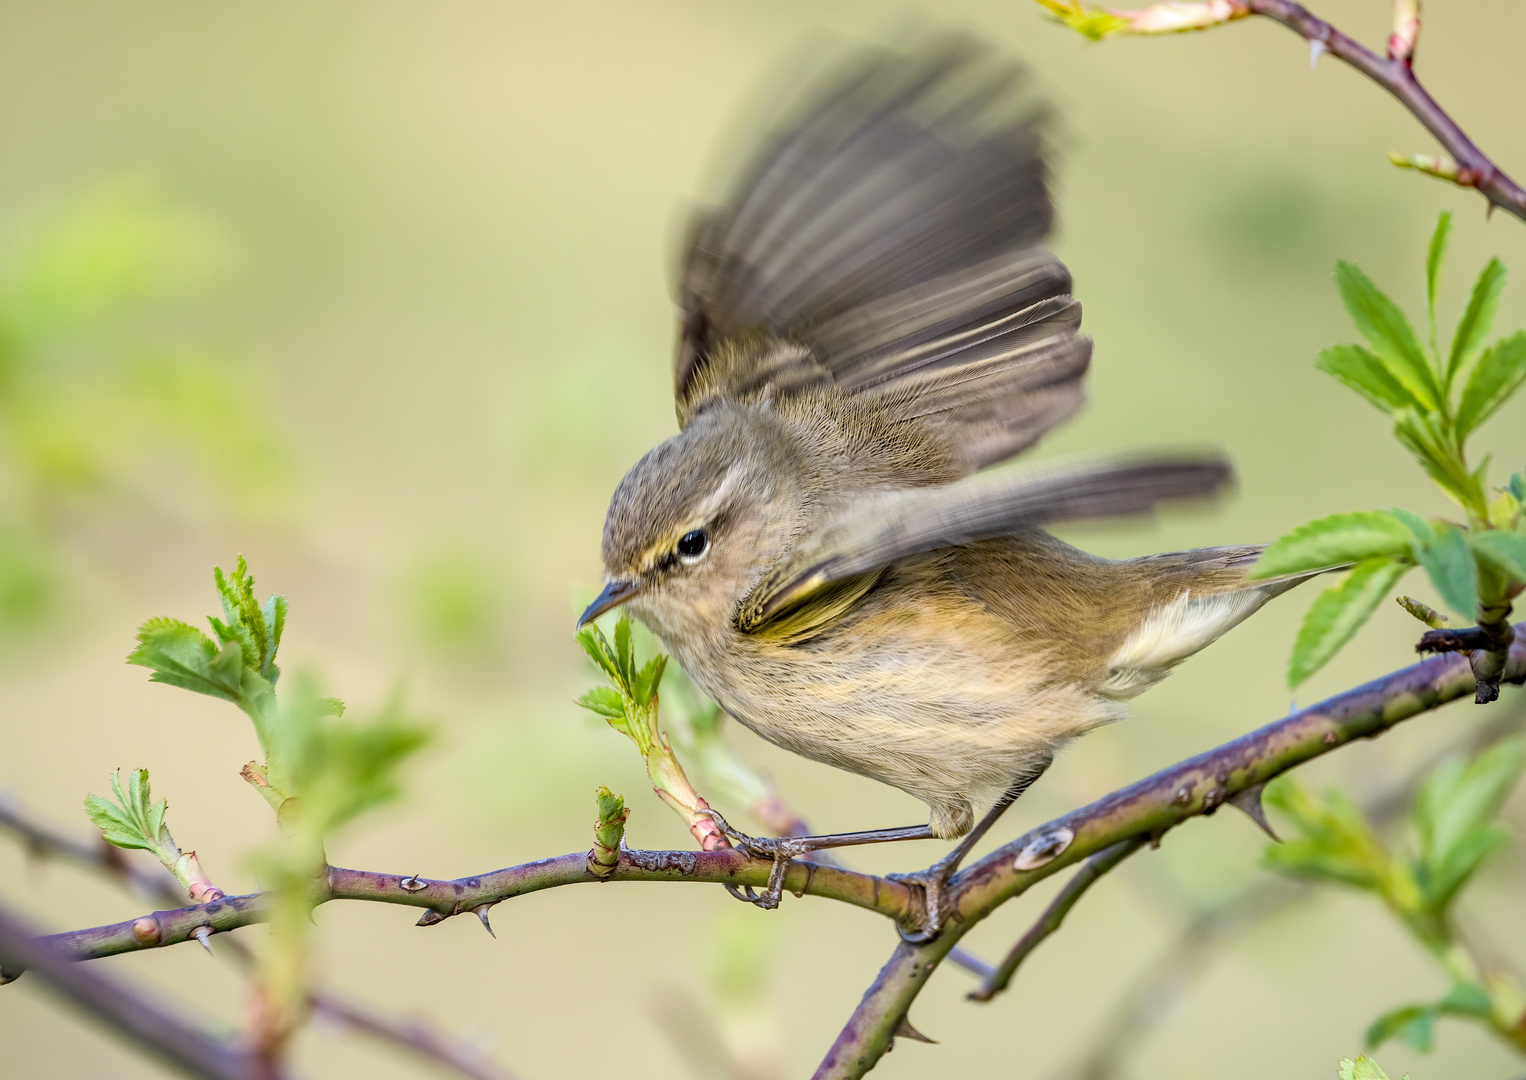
(933, 882)
(780, 850)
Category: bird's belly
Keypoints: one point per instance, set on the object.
(951, 720)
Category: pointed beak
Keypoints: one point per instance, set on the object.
(615, 593)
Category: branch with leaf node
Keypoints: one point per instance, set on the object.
(1462, 163)
(1436, 399)
(331, 774)
(104, 857)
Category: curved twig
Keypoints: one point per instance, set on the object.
(1054, 916)
(442, 899)
(1395, 73)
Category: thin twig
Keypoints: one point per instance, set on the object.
(415, 1036)
(130, 1012)
(1150, 808)
(1396, 74)
(1054, 915)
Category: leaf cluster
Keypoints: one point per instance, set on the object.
(337, 769)
(1454, 829)
(629, 702)
(1436, 400)
(133, 821)
(239, 666)
(1363, 1068)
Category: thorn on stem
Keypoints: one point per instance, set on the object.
(904, 1030)
(481, 911)
(203, 936)
(429, 918)
(412, 884)
(1316, 50)
(1248, 802)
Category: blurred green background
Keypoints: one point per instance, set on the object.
(405, 323)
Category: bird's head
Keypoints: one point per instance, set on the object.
(697, 520)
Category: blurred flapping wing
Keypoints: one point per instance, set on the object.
(889, 242)
(838, 560)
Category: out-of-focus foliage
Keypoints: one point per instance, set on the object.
(1363, 1068)
(1453, 829)
(1436, 399)
(112, 392)
(321, 770)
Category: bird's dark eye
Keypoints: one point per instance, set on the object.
(693, 544)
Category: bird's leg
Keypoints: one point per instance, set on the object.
(782, 849)
(936, 876)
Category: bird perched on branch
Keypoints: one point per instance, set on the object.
(869, 325)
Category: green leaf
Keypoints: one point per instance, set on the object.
(1382, 323)
(1454, 814)
(1417, 525)
(1363, 1068)
(1334, 540)
(1518, 486)
(596, 645)
(134, 820)
(1412, 1023)
(1363, 372)
(1449, 562)
(1333, 841)
(1426, 436)
(180, 655)
(1339, 612)
(1499, 373)
(644, 686)
(1466, 999)
(1476, 320)
(604, 700)
(1504, 552)
(624, 656)
(1433, 259)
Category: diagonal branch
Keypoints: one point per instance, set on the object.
(1463, 164)
(1169, 976)
(1148, 809)
(1395, 73)
(1054, 915)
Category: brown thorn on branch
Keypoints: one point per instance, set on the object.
(904, 1030)
(481, 911)
(1248, 802)
(1054, 915)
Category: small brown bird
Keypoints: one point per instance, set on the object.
(868, 324)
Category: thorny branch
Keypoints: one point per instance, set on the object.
(416, 1036)
(1144, 811)
(1165, 980)
(1463, 164)
(128, 1012)
(1150, 808)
